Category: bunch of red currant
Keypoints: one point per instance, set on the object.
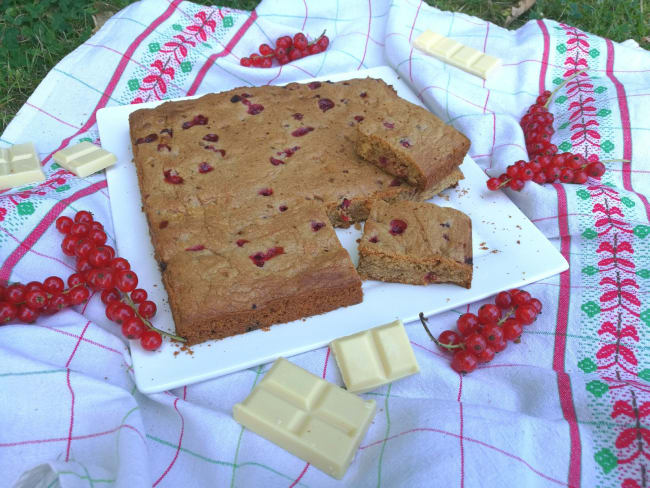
(286, 50)
(482, 335)
(99, 268)
(27, 302)
(545, 165)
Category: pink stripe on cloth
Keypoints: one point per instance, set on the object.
(35, 235)
(417, 12)
(178, 448)
(365, 49)
(563, 380)
(625, 123)
(226, 51)
(545, 53)
(74, 438)
(67, 378)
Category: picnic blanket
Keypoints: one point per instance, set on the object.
(566, 407)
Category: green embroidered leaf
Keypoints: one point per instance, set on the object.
(557, 81)
(85, 139)
(606, 460)
(644, 374)
(627, 202)
(186, 66)
(177, 27)
(62, 188)
(641, 231)
(600, 89)
(587, 365)
(590, 308)
(603, 112)
(645, 316)
(227, 21)
(590, 270)
(561, 48)
(133, 84)
(561, 99)
(25, 188)
(154, 47)
(597, 388)
(644, 273)
(55, 166)
(205, 44)
(564, 126)
(565, 146)
(589, 234)
(584, 194)
(594, 53)
(25, 208)
(607, 146)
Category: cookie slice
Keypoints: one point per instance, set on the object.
(416, 243)
(411, 143)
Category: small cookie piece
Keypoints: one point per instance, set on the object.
(413, 144)
(416, 243)
(84, 159)
(452, 52)
(19, 165)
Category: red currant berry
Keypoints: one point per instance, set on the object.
(3, 290)
(534, 167)
(53, 284)
(323, 42)
(123, 312)
(79, 229)
(566, 175)
(265, 49)
(579, 177)
(26, 314)
(112, 309)
(280, 52)
(111, 295)
(147, 309)
(126, 280)
(68, 244)
(34, 286)
(314, 49)
(100, 257)
(83, 265)
(300, 41)
(78, 295)
(16, 293)
(512, 329)
(283, 60)
(537, 304)
(475, 343)
(492, 333)
(499, 345)
(138, 295)
(526, 314)
(133, 328)
(521, 298)
(97, 236)
(246, 62)
(257, 60)
(120, 264)
(503, 300)
(552, 173)
(525, 174)
(76, 279)
(94, 225)
(464, 362)
(486, 356)
(295, 54)
(516, 184)
(539, 178)
(57, 303)
(512, 171)
(449, 338)
(489, 314)
(266, 63)
(283, 42)
(595, 169)
(83, 247)
(467, 324)
(83, 217)
(8, 312)
(63, 224)
(151, 340)
(36, 299)
(493, 184)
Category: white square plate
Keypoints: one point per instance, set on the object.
(509, 251)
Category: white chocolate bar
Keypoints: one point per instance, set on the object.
(308, 416)
(375, 357)
(19, 165)
(84, 159)
(453, 52)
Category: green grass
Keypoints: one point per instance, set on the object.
(36, 34)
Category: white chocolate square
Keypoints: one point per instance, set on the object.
(452, 52)
(308, 416)
(19, 165)
(84, 159)
(375, 357)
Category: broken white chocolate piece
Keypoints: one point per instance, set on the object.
(375, 357)
(19, 165)
(453, 52)
(84, 159)
(308, 416)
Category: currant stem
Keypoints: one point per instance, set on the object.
(147, 323)
(438, 343)
(615, 161)
(548, 102)
(317, 39)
